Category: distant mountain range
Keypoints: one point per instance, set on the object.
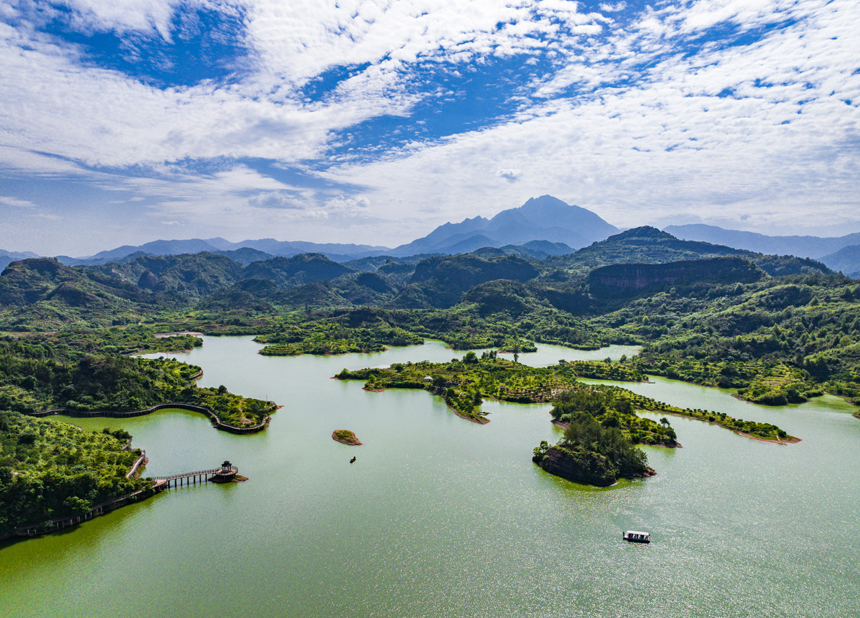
(800, 246)
(840, 253)
(245, 251)
(540, 228)
(493, 279)
(543, 218)
(7, 257)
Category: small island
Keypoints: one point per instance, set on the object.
(345, 436)
(599, 442)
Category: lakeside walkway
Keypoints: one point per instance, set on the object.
(218, 424)
(159, 484)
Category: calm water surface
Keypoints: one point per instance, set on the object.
(442, 517)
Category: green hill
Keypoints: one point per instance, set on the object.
(441, 281)
(297, 270)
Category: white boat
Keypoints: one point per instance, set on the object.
(634, 536)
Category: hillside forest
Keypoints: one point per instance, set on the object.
(776, 329)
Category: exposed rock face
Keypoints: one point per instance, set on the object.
(578, 466)
(581, 466)
(630, 278)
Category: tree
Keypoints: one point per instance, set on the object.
(74, 505)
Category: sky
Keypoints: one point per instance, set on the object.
(373, 122)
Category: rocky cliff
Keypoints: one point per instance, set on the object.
(581, 466)
(629, 279)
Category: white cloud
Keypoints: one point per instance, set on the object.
(275, 199)
(613, 8)
(347, 204)
(626, 119)
(11, 201)
(121, 15)
(669, 143)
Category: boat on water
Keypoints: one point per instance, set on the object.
(634, 536)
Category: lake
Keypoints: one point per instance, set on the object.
(442, 517)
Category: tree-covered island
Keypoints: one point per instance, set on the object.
(465, 383)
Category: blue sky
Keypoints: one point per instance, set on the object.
(373, 122)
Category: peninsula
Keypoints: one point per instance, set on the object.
(464, 384)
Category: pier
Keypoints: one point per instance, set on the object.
(227, 472)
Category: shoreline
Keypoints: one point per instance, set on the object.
(385, 349)
(790, 440)
(479, 420)
(217, 423)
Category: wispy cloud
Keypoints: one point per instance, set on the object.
(11, 201)
(750, 106)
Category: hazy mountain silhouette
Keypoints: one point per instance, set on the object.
(801, 246)
(244, 252)
(846, 260)
(7, 257)
(543, 218)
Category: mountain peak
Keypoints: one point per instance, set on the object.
(646, 231)
(542, 218)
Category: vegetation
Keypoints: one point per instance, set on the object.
(50, 469)
(612, 409)
(50, 374)
(776, 329)
(332, 337)
(466, 382)
(592, 453)
(345, 436)
(778, 340)
(703, 313)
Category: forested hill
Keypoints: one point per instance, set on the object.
(639, 279)
(779, 328)
(648, 245)
(776, 329)
(44, 291)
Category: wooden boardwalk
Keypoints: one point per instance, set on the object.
(186, 478)
(159, 483)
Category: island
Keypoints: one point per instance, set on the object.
(465, 383)
(345, 436)
(599, 442)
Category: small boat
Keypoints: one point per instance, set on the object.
(636, 537)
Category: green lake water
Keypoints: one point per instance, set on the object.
(442, 517)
